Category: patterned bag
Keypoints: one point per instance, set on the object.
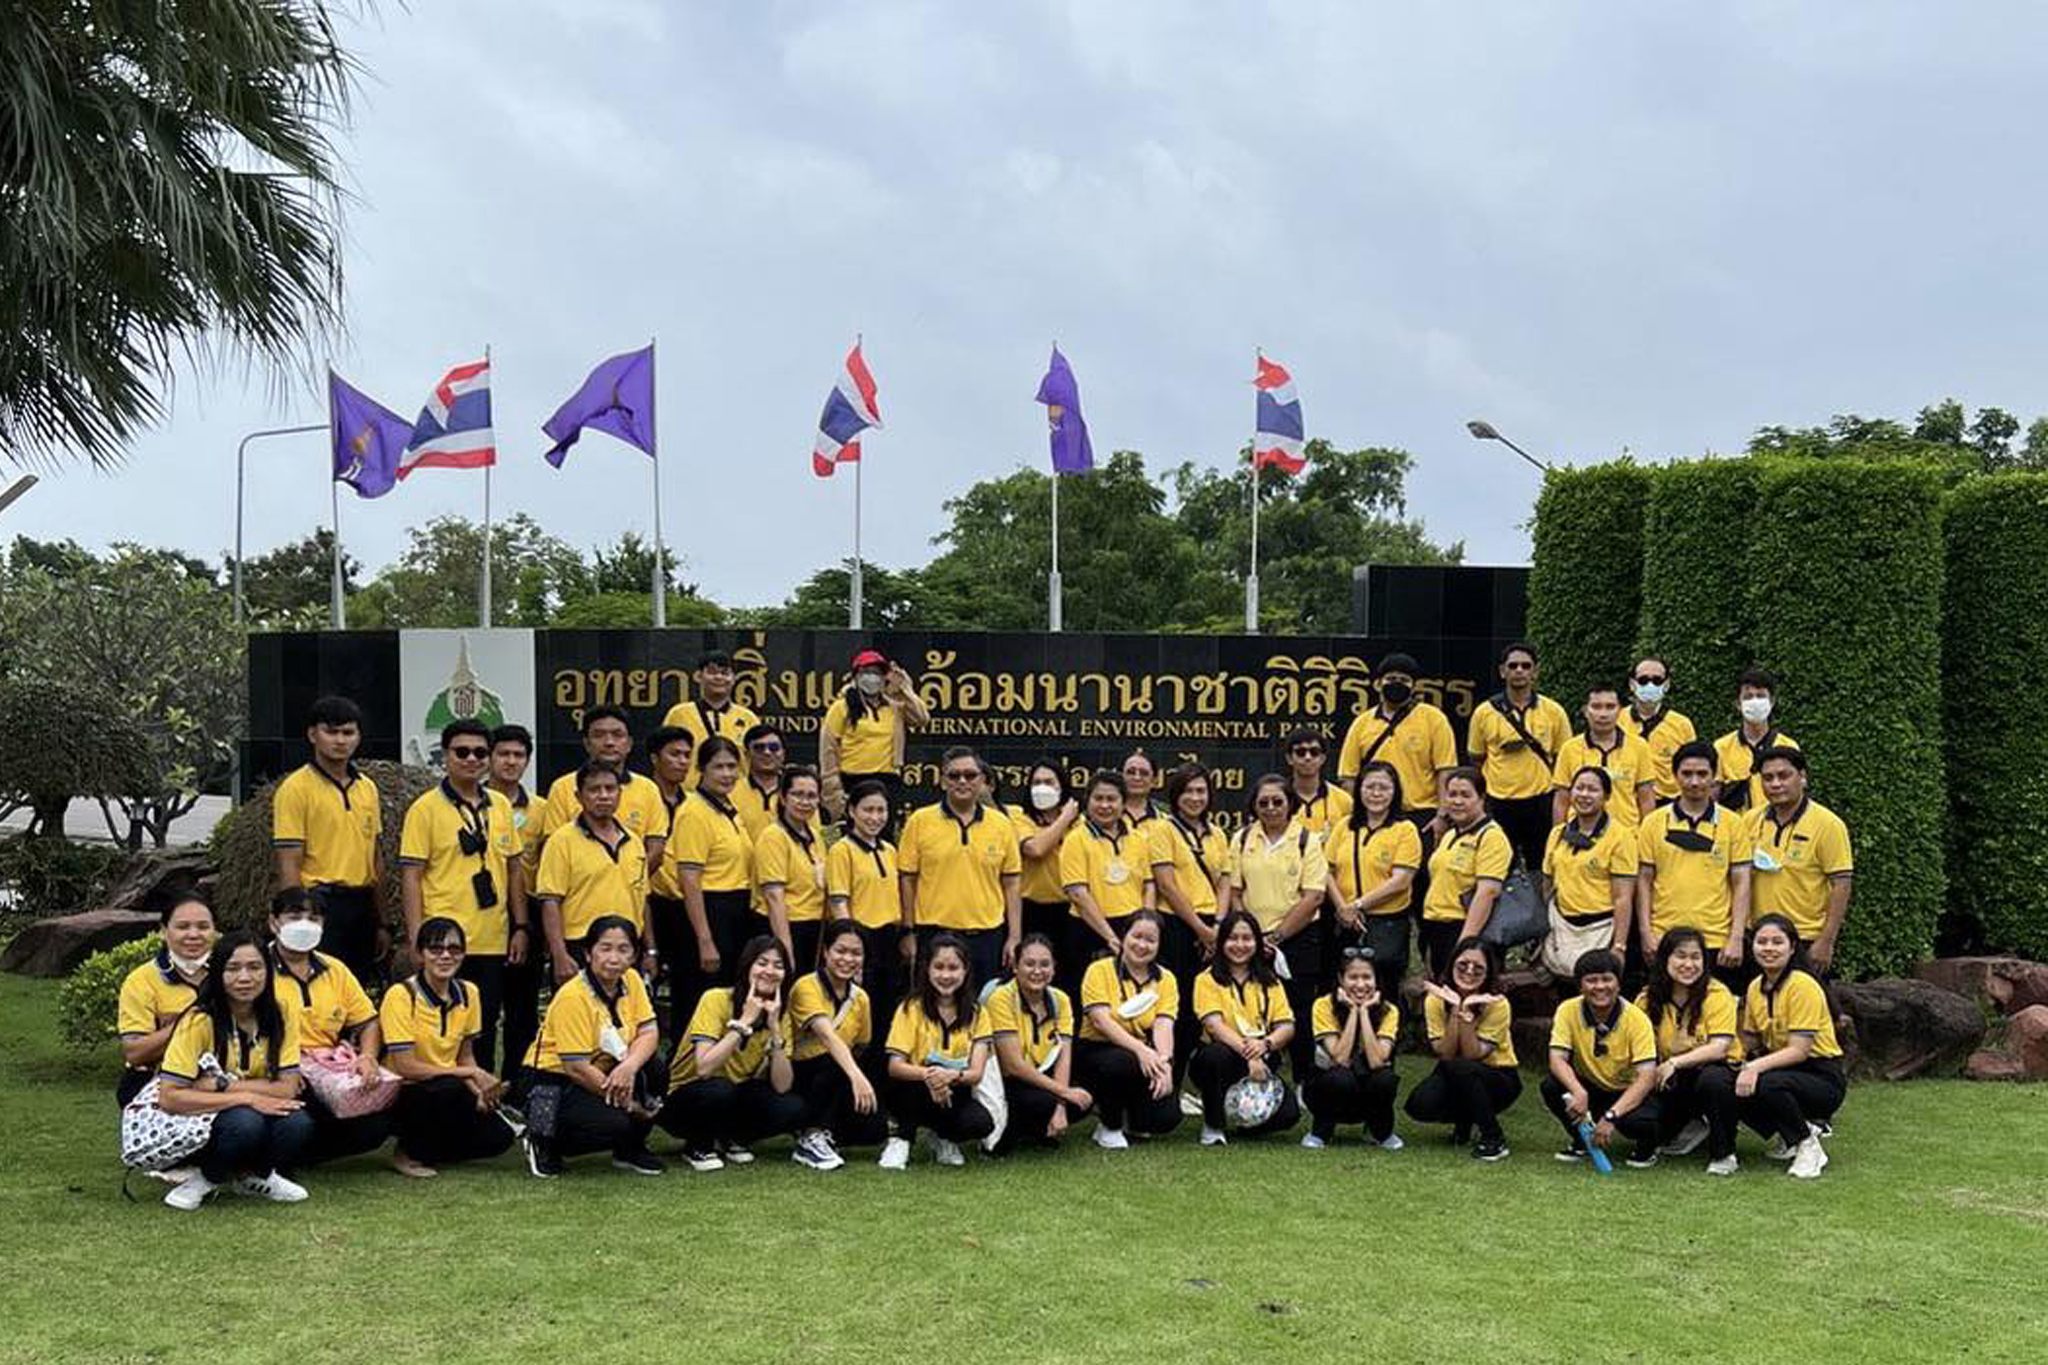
(330, 1073)
(153, 1140)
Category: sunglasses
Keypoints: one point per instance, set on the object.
(1469, 968)
(1308, 751)
(1270, 803)
(963, 775)
(469, 751)
(442, 950)
(1358, 955)
(1518, 665)
(766, 746)
(1648, 679)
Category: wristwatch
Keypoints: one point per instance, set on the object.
(221, 1081)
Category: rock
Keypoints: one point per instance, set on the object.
(1532, 1040)
(1532, 991)
(1909, 1028)
(147, 874)
(53, 947)
(1988, 1065)
(2007, 984)
(2026, 1041)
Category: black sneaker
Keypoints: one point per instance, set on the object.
(1643, 1158)
(642, 1162)
(1575, 1152)
(1490, 1149)
(543, 1162)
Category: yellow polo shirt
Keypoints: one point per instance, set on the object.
(1105, 983)
(798, 868)
(1627, 765)
(1584, 877)
(708, 1024)
(924, 1041)
(1198, 857)
(1664, 732)
(1799, 1005)
(1611, 1062)
(431, 840)
(712, 838)
(1330, 808)
(1691, 889)
(1362, 858)
(1717, 1020)
(731, 720)
(959, 865)
(245, 1055)
(579, 1014)
(865, 874)
(591, 878)
(1323, 1019)
(1251, 1007)
(1512, 769)
(1116, 868)
(1795, 862)
(1041, 875)
(328, 1003)
(1156, 828)
(1495, 1027)
(1270, 877)
(661, 879)
(811, 1000)
(641, 808)
(1461, 859)
(431, 1027)
(757, 808)
(867, 745)
(334, 826)
(152, 995)
(1735, 764)
(1038, 1036)
(1423, 746)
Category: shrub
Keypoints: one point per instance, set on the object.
(1586, 575)
(1994, 652)
(89, 999)
(1845, 593)
(1697, 528)
(50, 876)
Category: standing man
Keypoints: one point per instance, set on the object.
(511, 753)
(1515, 737)
(1804, 865)
(959, 866)
(458, 858)
(755, 793)
(1695, 869)
(713, 711)
(1606, 745)
(1412, 735)
(592, 867)
(1656, 724)
(640, 809)
(1319, 804)
(1756, 697)
(325, 820)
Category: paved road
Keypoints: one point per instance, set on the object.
(84, 821)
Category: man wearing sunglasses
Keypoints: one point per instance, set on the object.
(1655, 723)
(1695, 869)
(754, 795)
(458, 858)
(959, 866)
(1515, 737)
(1320, 805)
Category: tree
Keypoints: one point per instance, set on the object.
(1992, 435)
(59, 742)
(167, 186)
(434, 581)
(890, 600)
(1941, 423)
(635, 611)
(627, 565)
(2035, 455)
(290, 587)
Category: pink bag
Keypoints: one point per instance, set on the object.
(331, 1075)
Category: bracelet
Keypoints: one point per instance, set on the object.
(741, 1029)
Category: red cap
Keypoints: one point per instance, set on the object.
(870, 656)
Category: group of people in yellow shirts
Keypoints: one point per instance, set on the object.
(994, 972)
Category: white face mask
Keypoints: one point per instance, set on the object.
(1649, 694)
(188, 966)
(300, 935)
(1756, 710)
(1045, 796)
(869, 683)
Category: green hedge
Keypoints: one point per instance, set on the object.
(56, 876)
(88, 1003)
(1845, 594)
(1586, 575)
(1697, 528)
(1995, 654)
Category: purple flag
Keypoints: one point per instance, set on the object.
(369, 438)
(1071, 452)
(617, 398)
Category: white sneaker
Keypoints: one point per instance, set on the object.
(1111, 1139)
(176, 1175)
(1312, 1142)
(734, 1154)
(816, 1151)
(1213, 1137)
(703, 1160)
(1390, 1143)
(190, 1193)
(947, 1153)
(1809, 1160)
(1190, 1104)
(1724, 1165)
(273, 1187)
(895, 1154)
(1687, 1141)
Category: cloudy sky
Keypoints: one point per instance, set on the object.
(1650, 227)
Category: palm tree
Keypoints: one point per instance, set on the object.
(168, 188)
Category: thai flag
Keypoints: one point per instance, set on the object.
(454, 429)
(1278, 439)
(849, 410)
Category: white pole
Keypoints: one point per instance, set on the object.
(483, 589)
(338, 612)
(659, 587)
(1053, 603)
(857, 589)
(1251, 580)
(241, 465)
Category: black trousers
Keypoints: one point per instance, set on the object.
(882, 975)
(715, 1109)
(668, 925)
(585, 1123)
(521, 1003)
(727, 915)
(1215, 1068)
(1419, 888)
(1703, 1092)
(803, 940)
(1180, 952)
(1306, 982)
(334, 1138)
(1387, 936)
(1439, 939)
(487, 974)
(962, 1121)
(1050, 918)
(1790, 1098)
(350, 916)
(1031, 1110)
(1642, 1125)
(1123, 1098)
(984, 952)
(1526, 822)
(1469, 1095)
(130, 1085)
(439, 1124)
(828, 1104)
(1346, 1094)
(245, 1142)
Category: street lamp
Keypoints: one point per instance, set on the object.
(20, 486)
(1484, 431)
(241, 460)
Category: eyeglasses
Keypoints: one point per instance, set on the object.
(442, 950)
(963, 774)
(1270, 803)
(468, 751)
(1469, 968)
(766, 746)
(1308, 751)
(1649, 679)
(1518, 665)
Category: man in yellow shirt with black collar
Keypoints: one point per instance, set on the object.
(1736, 753)
(325, 821)
(959, 866)
(755, 794)
(641, 811)
(1320, 804)
(713, 711)
(1514, 739)
(511, 754)
(1695, 869)
(1656, 724)
(1804, 864)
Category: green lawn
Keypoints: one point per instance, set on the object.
(1926, 1240)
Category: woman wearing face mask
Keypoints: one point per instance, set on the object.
(593, 1075)
(1469, 1026)
(1125, 1055)
(862, 735)
(1589, 875)
(731, 1082)
(834, 1023)
(337, 1025)
(156, 994)
(938, 1045)
(789, 868)
(860, 882)
(1373, 858)
(233, 1054)
(1792, 1083)
(1248, 1024)
(1106, 869)
(1695, 1019)
(1043, 823)
(1466, 873)
(1031, 1025)
(1735, 753)
(448, 1109)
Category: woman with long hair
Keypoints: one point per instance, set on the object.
(1468, 1022)
(1247, 1024)
(1373, 855)
(1696, 1021)
(1792, 1082)
(1280, 875)
(789, 868)
(1106, 869)
(1355, 1030)
(938, 1045)
(1125, 1054)
(714, 868)
(864, 731)
(1043, 820)
(1466, 872)
(732, 1081)
(1031, 1025)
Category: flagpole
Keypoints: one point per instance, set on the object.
(856, 586)
(659, 587)
(1251, 581)
(1053, 604)
(484, 581)
(338, 613)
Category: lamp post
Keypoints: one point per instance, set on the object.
(16, 489)
(241, 456)
(1485, 431)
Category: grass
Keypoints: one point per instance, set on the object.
(1924, 1241)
